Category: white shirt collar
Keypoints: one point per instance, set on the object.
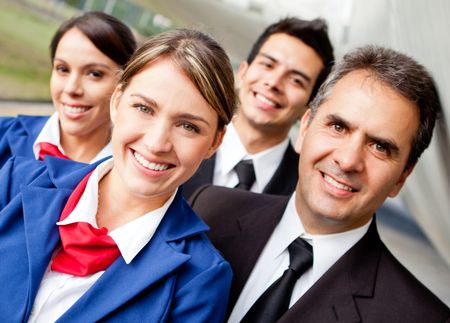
(327, 248)
(232, 151)
(50, 133)
(130, 237)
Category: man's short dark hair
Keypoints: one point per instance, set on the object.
(313, 33)
(401, 73)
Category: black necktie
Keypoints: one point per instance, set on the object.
(246, 174)
(274, 302)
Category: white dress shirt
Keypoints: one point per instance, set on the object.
(274, 259)
(232, 151)
(59, 291)
(50, 133)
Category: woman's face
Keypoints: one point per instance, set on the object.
(163, 129)
(82, 81)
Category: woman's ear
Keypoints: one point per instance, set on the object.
(217, 141)
(114, 103)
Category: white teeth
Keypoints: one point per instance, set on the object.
(336, 184)
(153, 166)
(265, 100)
(72, 109)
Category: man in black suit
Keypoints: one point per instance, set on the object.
(358, 142)
(283, 71)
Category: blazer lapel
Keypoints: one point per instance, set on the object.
(333, 297)
(21, 140)
(42, 203)
(41, 211)
(160, 258)
(122, 282)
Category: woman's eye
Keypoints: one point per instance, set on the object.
(61, 69)
(190, 127)
(142, 108)
(96, 74)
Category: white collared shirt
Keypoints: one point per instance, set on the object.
(274, 259)
(50, 134)
(232, 151)
(59, 291)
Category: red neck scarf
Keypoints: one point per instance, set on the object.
(85, 249)
(48, 149)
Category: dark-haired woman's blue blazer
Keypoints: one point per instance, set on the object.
(177, 277)
(18, 134)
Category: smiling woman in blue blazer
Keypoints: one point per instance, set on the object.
(169, 112)
(87, 52)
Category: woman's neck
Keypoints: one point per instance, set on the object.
(117, 206)
(85, 148)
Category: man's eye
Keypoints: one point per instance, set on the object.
(382, 148)
(338, 127)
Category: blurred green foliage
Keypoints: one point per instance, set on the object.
(24, 57)
(26, 28)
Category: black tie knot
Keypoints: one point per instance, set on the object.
(300, 256)
(246, 174)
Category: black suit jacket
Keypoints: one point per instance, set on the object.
(283, 181)
(367, 284)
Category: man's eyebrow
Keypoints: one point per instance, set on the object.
(293, 71)
(390, 144)
(334, 118)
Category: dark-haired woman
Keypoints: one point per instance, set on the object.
(87, 53)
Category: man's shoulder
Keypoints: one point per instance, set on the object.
(221, 198)
(397, 285)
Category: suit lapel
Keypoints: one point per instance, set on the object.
(333, 297)
(285, 178)
(204, 175)
(243, 246)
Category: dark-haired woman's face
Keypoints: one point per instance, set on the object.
(82, 81)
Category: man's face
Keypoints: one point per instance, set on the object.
(275, 88)
(353, 153)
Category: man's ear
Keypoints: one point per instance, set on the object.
(304, 124)
(243, 67)
(216, 143)
(401, 181)
(114, 102)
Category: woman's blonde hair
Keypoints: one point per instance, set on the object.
(200, 57)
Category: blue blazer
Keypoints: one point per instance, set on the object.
(17, 135)
(177, 277)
